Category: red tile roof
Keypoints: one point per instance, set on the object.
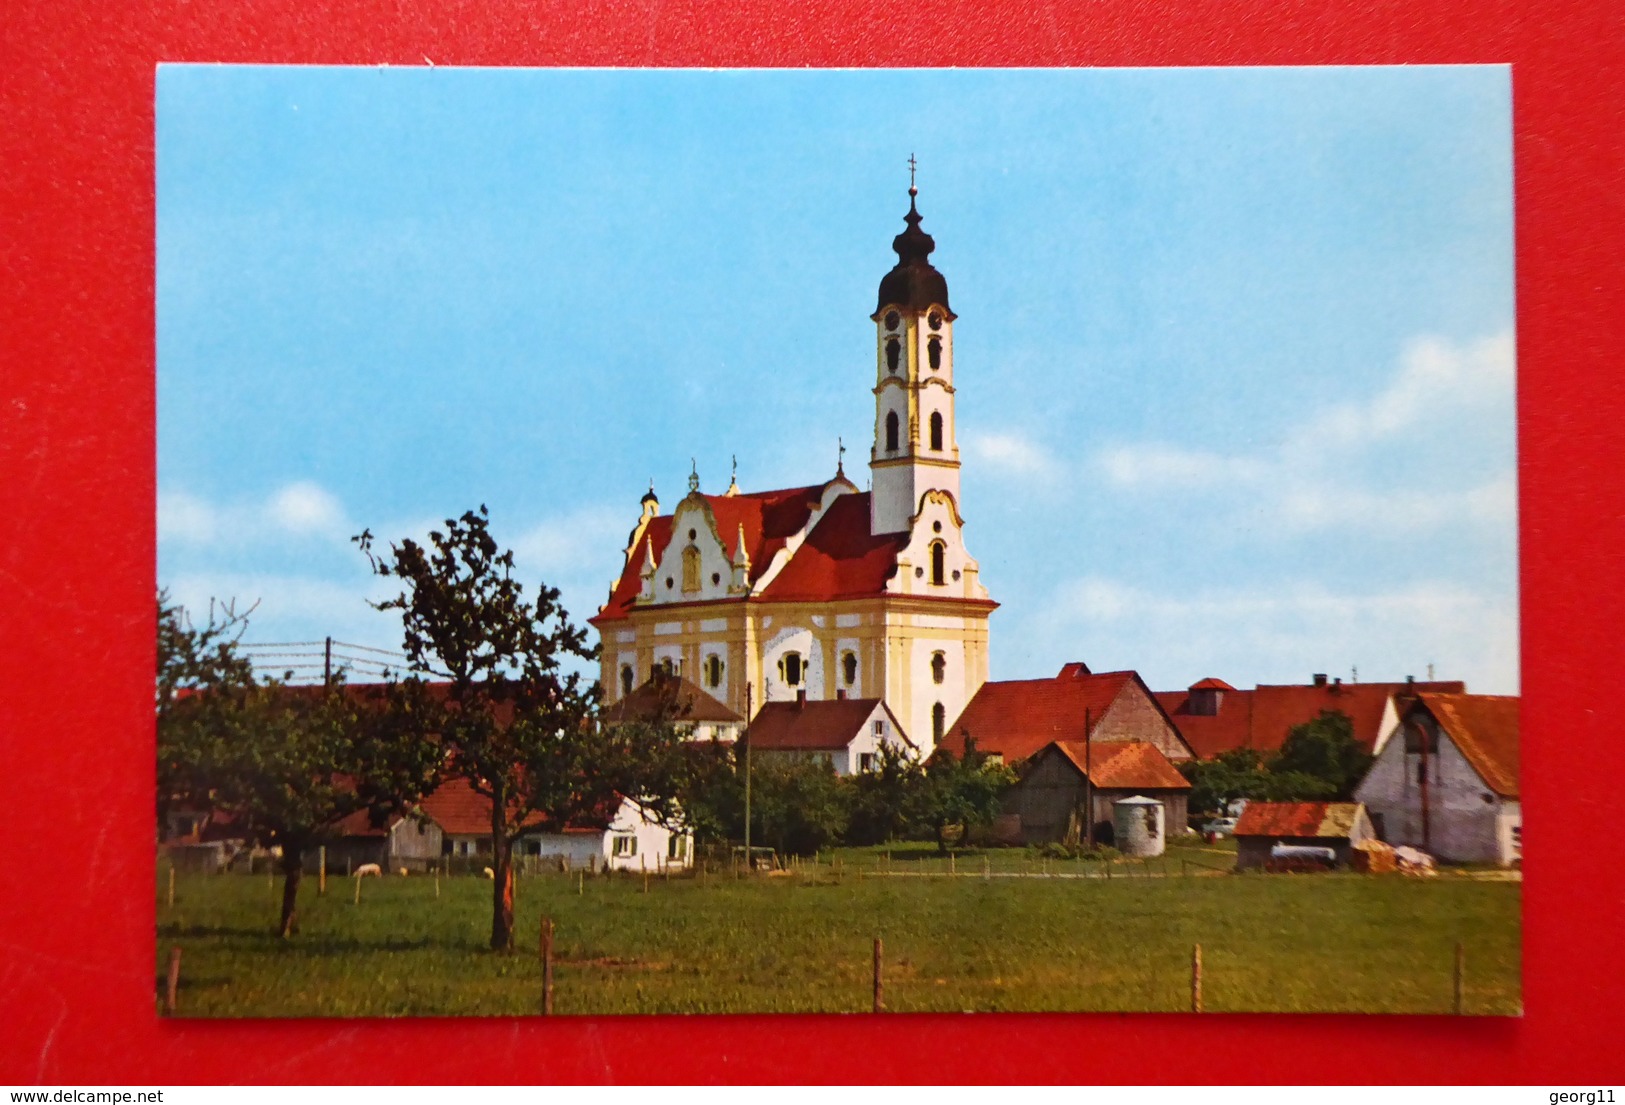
(1211, 684)
(1262, 718)
(1124, 765)
(825, 724)
(460, 810)
(1319, 819)
(1485, 728)
(686, 700)
(840, 557)
(1015, 718)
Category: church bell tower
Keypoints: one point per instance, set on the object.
(914, 447)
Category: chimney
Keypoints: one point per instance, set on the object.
(1337, 685)
(840, 693)
(801, 698)
(1320, 679)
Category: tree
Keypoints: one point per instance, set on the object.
(883, 800)
(282, 765)
(960, 793)
(1324, 749)
(797, 805)
(522, 731)
(1232, 774)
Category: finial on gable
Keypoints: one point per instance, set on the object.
(693, 475)
(733, 478)
(840, 458)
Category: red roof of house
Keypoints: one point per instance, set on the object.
(825, 724)
(1015, 718)
(1211, 684)
(460, 810)
(1321, 819)
(684, 700)
(1485, 728)
(1261, 718)
(1123, 765)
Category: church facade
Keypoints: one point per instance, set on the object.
(825, 591)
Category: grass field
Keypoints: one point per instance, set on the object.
(802, 942)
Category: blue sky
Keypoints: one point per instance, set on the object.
(1234, 354)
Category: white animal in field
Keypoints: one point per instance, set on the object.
(368, 869)
(490, 874)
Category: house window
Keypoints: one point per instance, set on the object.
(623, 846)
(677, 847)
(939, 667)
(933, 350)
(713, 670)
(894, 353)
(936, 431)
(866, 761)
(691, 569)
(939, 722)
(939, 571)
(790, 668)
(891, 431)
(880, 728)
(849, 667)
(626, 679)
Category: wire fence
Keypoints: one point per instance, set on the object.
(318, 661)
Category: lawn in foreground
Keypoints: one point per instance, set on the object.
(802, 943)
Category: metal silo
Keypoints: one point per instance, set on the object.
(1137, 823)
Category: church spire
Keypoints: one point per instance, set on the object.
(912, 283)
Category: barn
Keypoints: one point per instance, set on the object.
(1334, 825)
(1069, 785)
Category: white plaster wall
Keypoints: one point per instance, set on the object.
(867, 742)
(653, 841)
(936, 523)
(714, 559)
(951, 692)
(580, 848)
(793, 638)
(1466, 820)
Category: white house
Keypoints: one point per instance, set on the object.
(1450, 786)
(846, 733)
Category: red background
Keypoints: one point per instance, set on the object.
(76, 365)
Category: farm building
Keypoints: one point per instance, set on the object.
(846, 733)
(1334, 825)
(1069, 785)
(412, 843)
(1015, 719)
(1450, 785)
(688, 706)
(1214, 717)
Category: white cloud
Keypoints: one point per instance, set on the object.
(584, 540)
(1309, 506)
(1011, 453)
(1284, 632)
(300, 510)
(184, 518)
(1168, 465)
(305, 508)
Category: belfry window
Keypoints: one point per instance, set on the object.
(933, 350)
(939, 722)
(938, 568)
(894, 354)
(691, 568)
(626, 679)
(790, 669)
(939, 667)
(936, 431)
(891, 431)
(849, 668)
(713, 670)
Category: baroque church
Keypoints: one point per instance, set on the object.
(824, 591)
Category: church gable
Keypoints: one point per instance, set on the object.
(933, 561)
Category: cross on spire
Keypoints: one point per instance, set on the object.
(840, 457)
(911, 166)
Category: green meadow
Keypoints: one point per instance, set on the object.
(991, 935)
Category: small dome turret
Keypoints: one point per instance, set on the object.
(913, 284)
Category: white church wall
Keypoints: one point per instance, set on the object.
(800, 640)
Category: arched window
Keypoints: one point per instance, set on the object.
(626, 679)
(939, 722)
(933, 350)
(894, 353)
(849, 667)
(936, 430)
(790, 669)
(938, 569)
(939, 667)
(713, 670)
(691, 569)
(891, 431)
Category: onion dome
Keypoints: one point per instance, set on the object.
(913, 284)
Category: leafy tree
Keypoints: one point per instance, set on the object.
(282, 765)
(523, 732)
(1324, 749)
(797, 806)
(960, 793)
(1235, 773)
(883, 800)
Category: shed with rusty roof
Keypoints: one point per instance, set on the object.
(1334, 825)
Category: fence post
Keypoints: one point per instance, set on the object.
(1196, 978)
(1460, 976)
(174, 980)
(987, 866)
(171, 884)
(437, 886)
(346, 866)
(321, 870)
(358, 891)
(581, 883)
(547, 966)
(880, 989)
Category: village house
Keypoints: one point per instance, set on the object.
(1449, 786)
(689, 709)
(1214, 717)
(1068, 790)
(846, 733)
(1335, 827)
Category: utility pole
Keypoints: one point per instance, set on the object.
(327, 662)
(1088, 782)
(748, 860)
